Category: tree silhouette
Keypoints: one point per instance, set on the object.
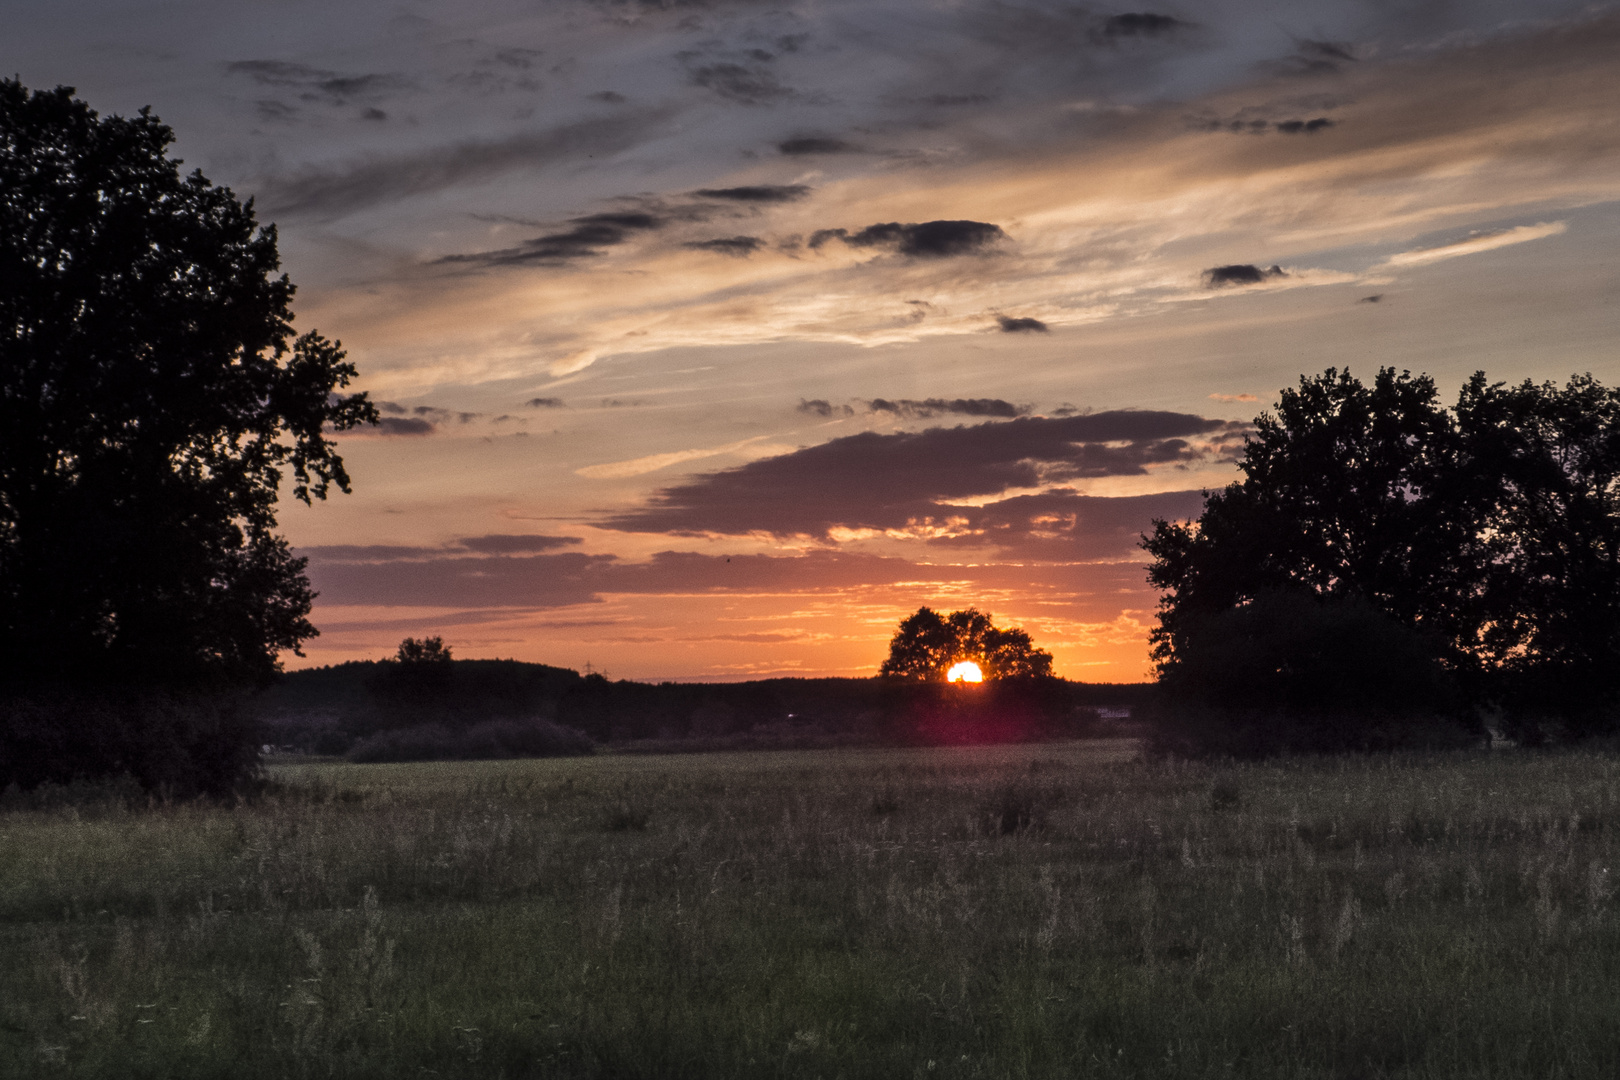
(927, 644)
(1491, 531)
(152, 398)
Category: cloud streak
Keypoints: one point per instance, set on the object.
(913, 483)
(1474, 245)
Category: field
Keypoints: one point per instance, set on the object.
(1046, 911)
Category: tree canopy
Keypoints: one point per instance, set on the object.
(927, 644)
(1491, 530)
(152, 397)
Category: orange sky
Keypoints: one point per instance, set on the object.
(715, 338)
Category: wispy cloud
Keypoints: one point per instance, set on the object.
(1476, 244)
(618, 470)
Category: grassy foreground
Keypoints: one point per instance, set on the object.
(1048, 911)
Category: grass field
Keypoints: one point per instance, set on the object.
(1052, 910)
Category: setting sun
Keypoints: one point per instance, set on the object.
(966, 671)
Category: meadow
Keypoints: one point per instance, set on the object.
(1052, 910)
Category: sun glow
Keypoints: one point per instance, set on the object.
(966, 671)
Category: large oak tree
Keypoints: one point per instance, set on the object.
(1490, 531)
(153, 400)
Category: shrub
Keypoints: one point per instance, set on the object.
(175, 745)
(493, 739)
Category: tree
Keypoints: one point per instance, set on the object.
(1489, 531)
(927, 644)
(152, 395)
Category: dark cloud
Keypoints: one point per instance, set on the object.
(757, 193)
(822, 407)
(750, 84)
(444, 416)
(513, 544)
(740, 246)
(1140, 24)
(1066, 525)
(316, 84)
(1240, 274)
(1329, 50)
(931, 407)
(272, 110)
(896, 481)
(332, 191)
(1020, 326)
(1373, 299)
(612, 97)
(1251, 125)
(813, 144)
(926, 239)
(393, 408)
(521, 59)
(395, 425)
(588, 236)
(373, 114)
(545, 403)
(1308, 127)
(436, 577)
(433, 577)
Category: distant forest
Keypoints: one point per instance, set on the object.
(334, 710)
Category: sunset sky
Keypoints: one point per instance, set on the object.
(714, 338)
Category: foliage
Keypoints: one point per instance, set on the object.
(1044, 912)
(927, 644)
(423, 653)
(1289, 670)
(1489, 530)
(489, 740)
(152, 395)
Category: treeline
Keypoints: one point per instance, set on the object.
(362, 708)
(1391, 572)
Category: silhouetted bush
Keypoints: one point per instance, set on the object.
(175, 745)
(491, 740)
(1290, 672)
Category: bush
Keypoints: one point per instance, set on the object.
(491, 740)
(174, 745)
(1293, 673)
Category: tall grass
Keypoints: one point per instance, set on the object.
(976, 912)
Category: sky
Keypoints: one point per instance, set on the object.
(713, 338)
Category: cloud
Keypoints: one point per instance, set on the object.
(616, 470)
(1140, 24)
(907, 480)
(589, 235)
(1373, 299)
(545, 403)
(1020, 326)
(444, 416)
(1308, 127)
(750, 84)
(1475, 244)
(926, 239)
(741, 246)
(1240, 274)
(1233, 397)
(395, 425)
(1328, 49)
(757, 193)
(317, 84)
(814, 144)
(822, 407)
(337, 190)
(436, 577)
(512, 544)
(931, 407)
